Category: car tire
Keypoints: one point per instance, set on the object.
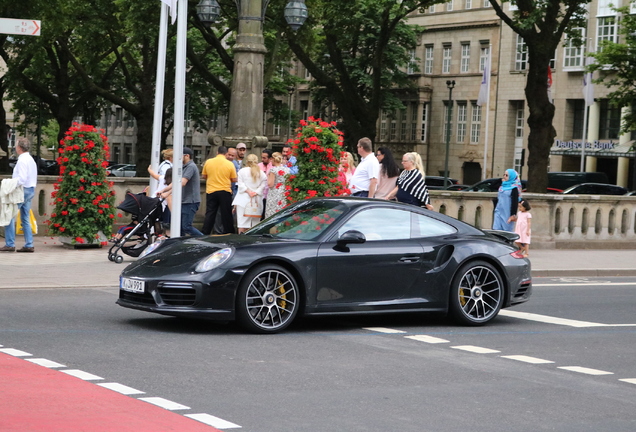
(268, 299)
(477, 293)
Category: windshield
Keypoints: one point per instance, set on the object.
(303, 221)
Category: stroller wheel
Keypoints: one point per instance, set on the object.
(111, 257)
(119, 259)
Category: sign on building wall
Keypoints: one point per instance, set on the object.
(19, 27)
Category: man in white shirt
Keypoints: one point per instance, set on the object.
(365, 179)
(26, 173)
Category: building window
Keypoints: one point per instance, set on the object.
(468, 4)
(521, 59)
(578, 111)
(119, 118)
(403, 128)
(428, 59)
(130, 120)
(520, 121)
(483, 57)
(448, 125)
(606, 31)
(449, 5)
(424, 122)
(383, 125)
(610, 122)
(307, 74)
(512, 6)
(304, 109)
(412, 66)
(475, 124)
(573, 49)
(393, 128)
(446, 59)
(128, 153)
(431, 9)
(413, 121)
(461, 121)
(486, 3)
(465, 65)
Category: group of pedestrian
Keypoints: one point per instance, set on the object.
(378, 176)
(512, 212)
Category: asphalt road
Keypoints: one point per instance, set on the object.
(556, 363)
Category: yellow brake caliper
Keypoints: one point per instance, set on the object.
(281, 302)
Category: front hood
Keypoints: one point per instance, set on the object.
(183, 254)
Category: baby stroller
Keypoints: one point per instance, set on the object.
(146, 211)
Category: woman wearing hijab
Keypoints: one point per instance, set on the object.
(411, 187)
(505, 214)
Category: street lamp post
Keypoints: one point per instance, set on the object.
(450, 84)
(245, 123)
(290, 90)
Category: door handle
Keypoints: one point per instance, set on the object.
(411, 259)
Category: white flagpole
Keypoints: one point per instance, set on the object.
(179, 114)
(157, 122)
(585, 107)
(483, 169)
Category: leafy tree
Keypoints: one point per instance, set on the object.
(357, 52)
(615, 63)
(541, 24)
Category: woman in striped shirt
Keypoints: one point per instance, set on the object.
(411, 187)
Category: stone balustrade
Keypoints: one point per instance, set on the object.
(558, 221)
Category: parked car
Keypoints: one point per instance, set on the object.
(45, 166)
(490, 185)
(122, 170)
(596, 189)
(328, 256)
(561, 180)
(437, 182)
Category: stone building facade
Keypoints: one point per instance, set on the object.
(453, 46)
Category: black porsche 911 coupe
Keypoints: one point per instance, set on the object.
(332, 256)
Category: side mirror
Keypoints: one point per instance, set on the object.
(351, 236)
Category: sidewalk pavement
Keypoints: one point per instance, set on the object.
(54, 265)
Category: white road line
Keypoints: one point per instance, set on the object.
(526, 359)
(629, 380)
(46, 363)
(82, 375)
(210, 420)
(427, 339)
(120, 388)
(584, 370)
(555, 320)
(383, 330)
(165, 403)
(475, 349)
(583, 284)
(15, 353)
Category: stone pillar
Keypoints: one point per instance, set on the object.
(245, 123)
(622, 171)
(592, 134)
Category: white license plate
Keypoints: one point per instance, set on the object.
(132, 285)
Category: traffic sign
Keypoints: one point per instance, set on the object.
(21, 27)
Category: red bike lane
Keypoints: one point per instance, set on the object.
(35, 398)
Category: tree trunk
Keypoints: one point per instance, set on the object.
(542, 133)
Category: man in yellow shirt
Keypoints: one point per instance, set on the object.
(219, 174)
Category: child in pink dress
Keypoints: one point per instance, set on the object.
(524, 223)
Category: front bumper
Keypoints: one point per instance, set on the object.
(212, 297)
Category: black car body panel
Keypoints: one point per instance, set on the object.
(405, 273)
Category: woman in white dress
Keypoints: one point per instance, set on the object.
(251, 181)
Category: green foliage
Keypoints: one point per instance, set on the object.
(318, 148)
(83, 197)
(615, 63)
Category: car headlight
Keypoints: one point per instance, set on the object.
(153, 247)
(214, 260)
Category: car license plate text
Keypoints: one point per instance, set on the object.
(132, 285)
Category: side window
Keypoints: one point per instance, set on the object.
(424, 226)
(380, 224)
